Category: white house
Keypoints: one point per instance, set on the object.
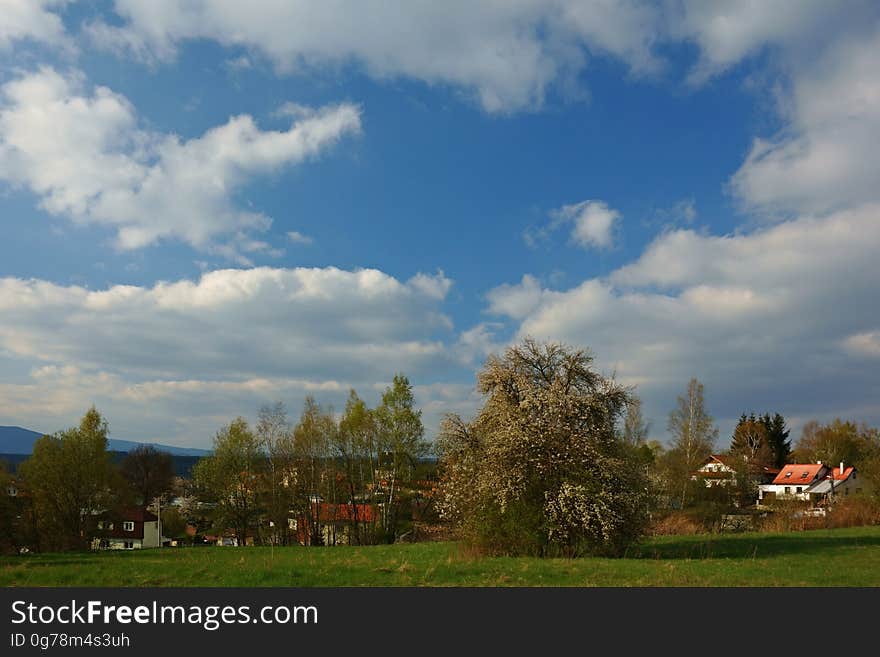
(811, 482)
(721, 469)
(131, 529)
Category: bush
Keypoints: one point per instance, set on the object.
(855, 511)
(675, 524)
(541, 470)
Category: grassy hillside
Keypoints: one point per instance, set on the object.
(841, 557)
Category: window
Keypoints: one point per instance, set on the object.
(788, 490)
(128, 526)
(129, 545)
(800, 489)
(803, 475)
(788, 474)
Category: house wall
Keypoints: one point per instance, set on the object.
(779, 489)
(854, 484)
(151, 534)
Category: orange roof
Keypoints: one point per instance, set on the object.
(337, 512)
(836, 473)
(798, 472)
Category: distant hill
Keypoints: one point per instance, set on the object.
(181, 464)
(16, 440)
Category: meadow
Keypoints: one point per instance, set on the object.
(836, 557)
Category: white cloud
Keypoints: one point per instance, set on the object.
(215, 347)
(506, 54)
(260, 322)
(728, 32)
(516, 301)
(864, 344)
(825, 158)
(434, 286)
(593, 222)
(82, 152)
(593, 225)
(31, 19)
(298, 238)
(778, 319)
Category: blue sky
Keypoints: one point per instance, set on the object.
(204, 209)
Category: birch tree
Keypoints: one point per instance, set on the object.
(693, 433)
(275, 436)
(230, 478)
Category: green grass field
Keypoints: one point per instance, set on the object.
(839, 557)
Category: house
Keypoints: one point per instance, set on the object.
(132, 528)
(839, 482)
(12, 489)
(721, 470)
(811, 482)
(334, 522)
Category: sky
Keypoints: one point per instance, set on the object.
(206, 207)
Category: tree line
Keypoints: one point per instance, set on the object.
(557, 461)
(275, 482)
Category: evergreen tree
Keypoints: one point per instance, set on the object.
(777, 438)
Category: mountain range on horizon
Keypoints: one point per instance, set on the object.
(18, 440)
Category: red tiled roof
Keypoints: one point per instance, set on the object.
(847, 471)
(137, 514)
(346, 512)
(798, 472)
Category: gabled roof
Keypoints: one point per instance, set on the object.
(842, 476)
(799, 473)
(731, 462)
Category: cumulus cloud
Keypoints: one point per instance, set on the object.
(233, 322)
(82, 152)
(214, 347)
(825, 158)
(506, 54)
(592, 223)
(726, 33)
(781, 318)
(31, 20)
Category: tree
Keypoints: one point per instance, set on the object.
(10, 539)
(837, 441)
(148, 472)
(230, 478)
(399, 433)
(693, 434)
(69, 475)
(354, 444)
(777, 438)
(750, 441)
(311, 443)
(541, 469)
(635, 429)
(276, 438)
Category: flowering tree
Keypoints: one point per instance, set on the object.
(541, 469)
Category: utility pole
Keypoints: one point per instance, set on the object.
(159, 518)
